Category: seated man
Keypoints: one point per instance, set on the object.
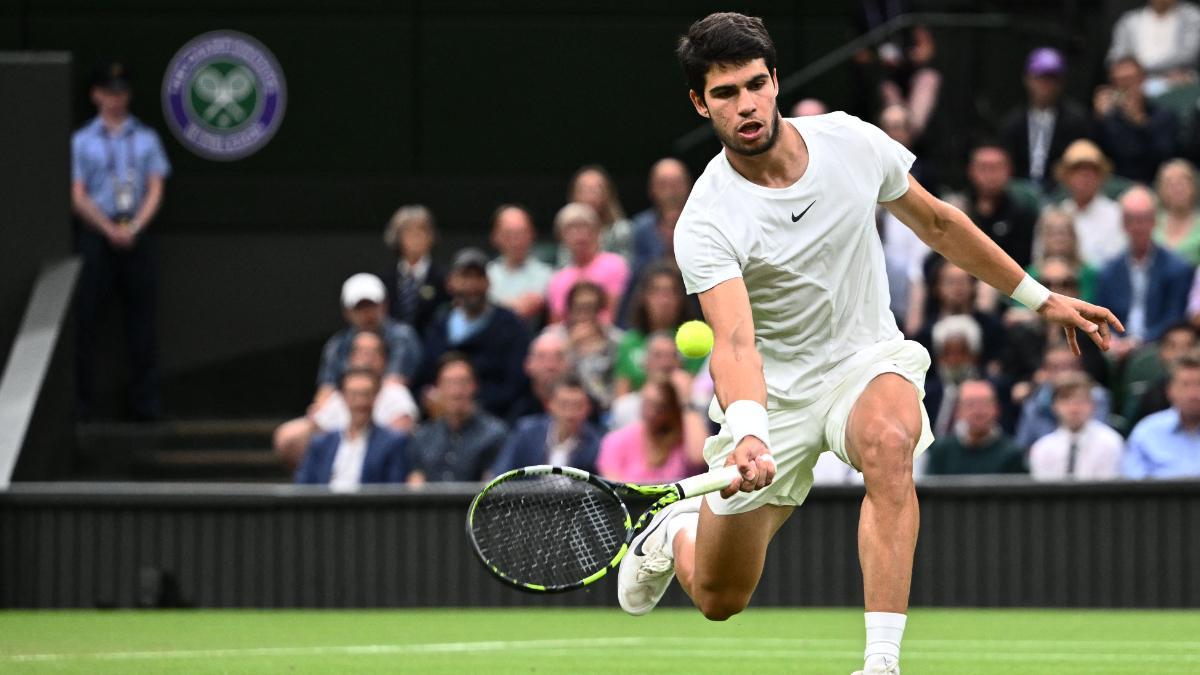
(394, 406)
(364, 452)
(1039, 412)
(492, 338)
(562, 437)
(1145, 397)
(545, 364)
(1167, 444)
(462, 441)
(516, 279)
(1081, 447)
(363, 303)
(977, 445)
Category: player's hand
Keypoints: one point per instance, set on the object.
(1074, 314)
(755, 465)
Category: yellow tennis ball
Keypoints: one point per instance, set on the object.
(694, 339)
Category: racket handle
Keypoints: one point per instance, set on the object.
(717, 479)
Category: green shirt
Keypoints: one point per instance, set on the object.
(1189, 247)
(631, 359)
(949, 456)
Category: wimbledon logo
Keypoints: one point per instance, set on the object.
(224, 95)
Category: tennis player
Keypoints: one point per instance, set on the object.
(778, 238)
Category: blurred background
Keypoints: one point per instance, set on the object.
(207, 337)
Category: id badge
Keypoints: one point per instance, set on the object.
(124, 197)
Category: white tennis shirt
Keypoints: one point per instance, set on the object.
(810, 253)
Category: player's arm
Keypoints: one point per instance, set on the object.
(737, 372)
(951, 233)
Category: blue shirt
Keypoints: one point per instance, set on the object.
(1160, 448)
(101, 160)
(460, 327)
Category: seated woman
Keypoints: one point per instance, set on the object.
(665, 445)
(659, 305)
(1178, 227)
(1056, 238)
(591, 342)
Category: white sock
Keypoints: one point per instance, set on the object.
(884, 631)
(678, 523)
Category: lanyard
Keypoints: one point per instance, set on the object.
(130, 157)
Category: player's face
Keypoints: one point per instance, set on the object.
(740, 101)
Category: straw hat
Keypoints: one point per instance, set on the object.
(1079, 153)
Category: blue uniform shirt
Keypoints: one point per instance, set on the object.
(101, 161)
(1159, 447)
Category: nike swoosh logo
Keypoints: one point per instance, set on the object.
(637, 550)
(796, 218)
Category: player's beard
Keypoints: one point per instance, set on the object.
(736, 145)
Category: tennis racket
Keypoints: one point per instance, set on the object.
(550, 529)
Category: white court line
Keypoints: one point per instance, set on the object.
(683, 646)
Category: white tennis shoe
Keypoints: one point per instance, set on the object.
(879, 665)
(649, 564)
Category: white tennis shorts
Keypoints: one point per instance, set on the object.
(800, 434)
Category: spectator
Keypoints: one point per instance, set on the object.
(1167, 444)
(1039, 411)
(591, 343)
(394, 405)
(1082, 447)
(905, 62)
(993, 209)
(1150, 397)
(492, 338)
(904, 252)
(516, 279)
(562, 437)
(1036, 134)
(1147, 286)
(659, 304)
(662, 362)
(665, 445)
(654, 228)
(545, 364)
(578, 228)
(809, 107)
(954, 293)
(363, 452)
(977, 445)
(416, 285)
(1083, 171)
(896, 122)
(593, 186)
(956, 342)
(1178, 228)
(1163, 36)
(118, 173)
(1139, 135)
(462, 441)
(364, 307)
(1057, 243)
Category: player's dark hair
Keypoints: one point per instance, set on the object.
(359, 372)
(638, 316)
(727, 38)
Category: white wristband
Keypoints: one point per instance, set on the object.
(747, 418)
(1031, 294)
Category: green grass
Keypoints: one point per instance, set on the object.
(591, 641)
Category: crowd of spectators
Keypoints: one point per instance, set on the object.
(563, 353)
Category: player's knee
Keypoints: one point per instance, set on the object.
(887, 454)
(720, 605)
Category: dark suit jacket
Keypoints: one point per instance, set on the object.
(1070, 123)
(1137, 151)
(386, 459)
(1167, 288)
(526, 446)
(496, 352)
(431, 294)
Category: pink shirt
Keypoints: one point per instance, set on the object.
(608, 270)
(623, 457)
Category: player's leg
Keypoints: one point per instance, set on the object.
(882, 431)
(719, 562)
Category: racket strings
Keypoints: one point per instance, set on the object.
(548, 530)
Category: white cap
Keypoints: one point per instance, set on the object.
(362, 287)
